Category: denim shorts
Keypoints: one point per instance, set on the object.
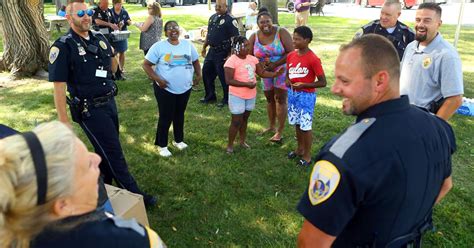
(301, 109)
(239, 105)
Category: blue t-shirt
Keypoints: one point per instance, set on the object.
(174, 63)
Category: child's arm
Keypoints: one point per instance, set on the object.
(321, 82)
(268, 74)
(229, 79)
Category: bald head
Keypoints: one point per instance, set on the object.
(221, 7)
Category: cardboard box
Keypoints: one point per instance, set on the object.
(127, 204)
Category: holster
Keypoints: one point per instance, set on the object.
(76, 108)
(436, 105)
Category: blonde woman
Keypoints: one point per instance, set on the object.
(48, 195)
(152, 28)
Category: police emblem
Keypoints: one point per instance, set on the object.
(324, 181)
(222, 21)
(426, 62)
(102, 44)
(53, 54)
(234, 22)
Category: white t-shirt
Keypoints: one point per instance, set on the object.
(174, 63)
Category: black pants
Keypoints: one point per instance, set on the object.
(102, 129)
(171, 108)
(213, 67)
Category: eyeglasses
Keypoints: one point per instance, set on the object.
(82, 12)
(172, 28)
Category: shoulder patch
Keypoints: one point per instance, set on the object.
(53, 54)
(234, 22)
(350, 136)
(323, 182)
(130, 224)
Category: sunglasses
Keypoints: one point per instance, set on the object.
(172, 28)
(81, 12)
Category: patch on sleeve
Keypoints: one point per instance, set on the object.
(53, 54)
(323, 182)
(155, 240)
(235, 23)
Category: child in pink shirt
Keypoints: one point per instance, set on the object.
(240, 69)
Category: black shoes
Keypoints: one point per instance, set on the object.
(207, 100)
(149, 200)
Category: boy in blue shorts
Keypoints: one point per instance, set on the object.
(304, 75)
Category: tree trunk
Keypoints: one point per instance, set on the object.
(25, 44)
(272, 7)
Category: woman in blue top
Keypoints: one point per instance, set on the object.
(175, 63)
(122, 19)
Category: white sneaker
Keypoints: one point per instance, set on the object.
(181, 145)
(164, 152)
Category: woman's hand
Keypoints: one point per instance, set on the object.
(271, 66)
(251, 85)
(196, 79)
(161, 83)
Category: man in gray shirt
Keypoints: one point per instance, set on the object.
(431, 73)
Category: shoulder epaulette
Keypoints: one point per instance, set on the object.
(350, 136)
(130, 224)
(376, 22)
(64, 38)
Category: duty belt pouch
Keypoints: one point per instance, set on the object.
(75, 108)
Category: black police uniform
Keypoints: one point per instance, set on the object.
(379, 179)
(400, 37)
(95, 229)
(220, 29)
(104, 15)
(85, 65)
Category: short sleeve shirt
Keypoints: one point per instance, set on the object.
(368, 182)
(244, 71)
(174, 63)
(432, 73)
(304, 68)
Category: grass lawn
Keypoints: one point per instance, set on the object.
(248, 199)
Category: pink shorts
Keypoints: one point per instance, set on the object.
(277, 82)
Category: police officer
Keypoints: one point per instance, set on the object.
(375, 184)
(221, 27)
(102, 18)
(97, 229)
(389, 26)
(82, 60)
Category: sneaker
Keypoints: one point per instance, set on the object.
(164, 152)
(181, 145)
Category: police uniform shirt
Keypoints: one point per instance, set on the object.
(84, 64)
(401, 36)
(380, 178)
(103, 15)
(95, 229)
(220, 29)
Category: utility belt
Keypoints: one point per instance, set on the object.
(225, 47)
(80, 106)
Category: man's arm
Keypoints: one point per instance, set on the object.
(445, 188)
(449, 107)
(311, 236)
(60, 102)
(106, 24)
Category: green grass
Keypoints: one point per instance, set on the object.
(208, 198)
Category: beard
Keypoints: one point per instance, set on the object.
(81, 26)
(421, 37)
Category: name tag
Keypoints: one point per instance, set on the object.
(101, 73)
